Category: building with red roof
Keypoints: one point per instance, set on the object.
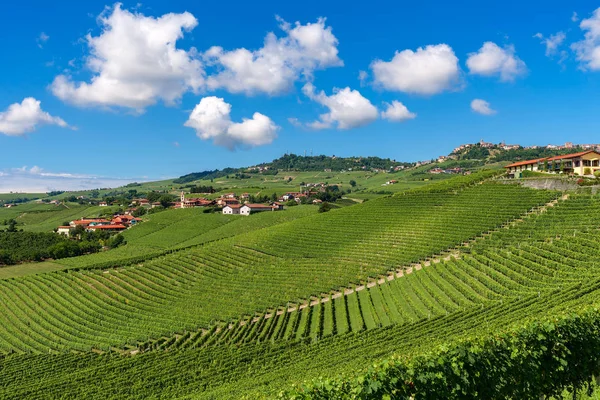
(582, 163)
(106, 228)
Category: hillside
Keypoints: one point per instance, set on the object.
(202, 305)
(243, 314)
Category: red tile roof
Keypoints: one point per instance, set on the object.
(526, 162)
(573, 155)
(561, 157)
(88, 221)
(258, 206)
(107, 227)
(234, 206)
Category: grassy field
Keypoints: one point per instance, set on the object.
(239, 307)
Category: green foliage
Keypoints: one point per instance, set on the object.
(541, 359)
(324, 207)
(29, 246)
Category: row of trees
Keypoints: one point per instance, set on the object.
(17, 247)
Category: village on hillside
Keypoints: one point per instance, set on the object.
(228, 204)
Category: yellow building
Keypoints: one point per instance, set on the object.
(583, 163)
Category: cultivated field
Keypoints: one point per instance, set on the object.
(293, 303)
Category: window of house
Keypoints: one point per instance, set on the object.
(594, 163)
(577, 163)
(587, 163)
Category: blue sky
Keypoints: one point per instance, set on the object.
(94, 91)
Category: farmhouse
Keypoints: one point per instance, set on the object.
(64, 230)
(277, 206)
(227, 202)
(126, 220)
(85, 222)
(248, 209)
(106, 228)
(103, 204)
(232, 209)
(582, 163)
(193, 202)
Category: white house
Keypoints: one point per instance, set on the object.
(63, 230)
(232, 209)
(248, 209)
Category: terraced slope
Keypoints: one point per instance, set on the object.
(84, 310)
(528, 258)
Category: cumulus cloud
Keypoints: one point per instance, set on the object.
(427, 71)
(482, 107)
(397, 112)
(26, 116)
(493, 60)
(275, 67)
(135, 63)
(552, 42)
(588, 50)
(38, 180)
(211, 120)
(347, 108)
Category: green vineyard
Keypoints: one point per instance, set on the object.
(307, 305)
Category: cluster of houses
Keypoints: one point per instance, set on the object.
(247, 209)
(504, 146)
(438, 171)
(582, 164)
(118, 223)
(231, 204)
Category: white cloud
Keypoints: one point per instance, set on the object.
(24, 117)
(38, 180)
(493, 60)
(397, 112)
(552, 43)
(41, 39)
(347, 108)
(275, 67)
(574, 17)
(482, 107)
(427, 71)
(362, 77)
(295, 122)
(588, 49)
(135, 63)
(211, 120)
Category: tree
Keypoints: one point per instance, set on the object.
(352, 183)
(166, 200)
(77, 231)
(138, 212)
(597, 174)
(116, 241)
(325, 207)
(153, 196)
(12, 226)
